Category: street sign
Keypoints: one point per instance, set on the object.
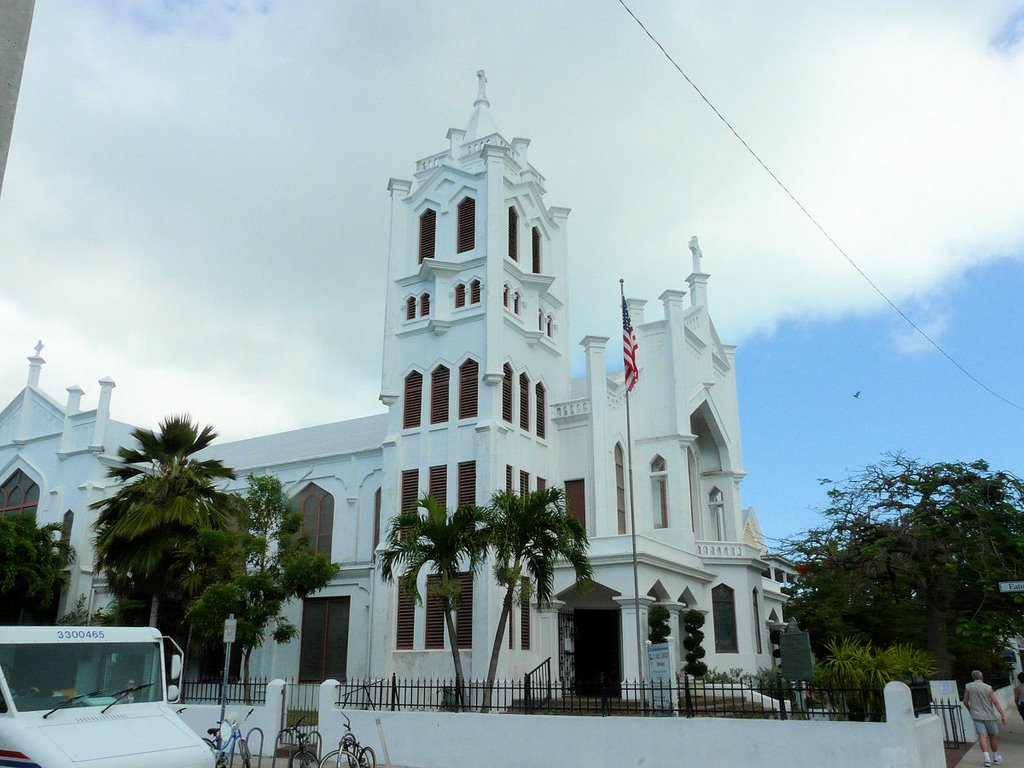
(230, 629)
(1011, 586)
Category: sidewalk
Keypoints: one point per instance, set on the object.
(1011, 744)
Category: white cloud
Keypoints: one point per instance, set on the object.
(195, 199)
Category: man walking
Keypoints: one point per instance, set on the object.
(981, 702)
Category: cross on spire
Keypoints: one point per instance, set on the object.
(481, 94)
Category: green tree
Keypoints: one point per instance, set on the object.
(273, 566)
(166, 498)
(32, 562)
(913, 553)
(529, 535)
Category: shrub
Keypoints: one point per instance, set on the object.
(692, 622)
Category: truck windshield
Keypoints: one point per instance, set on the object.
(40, 676)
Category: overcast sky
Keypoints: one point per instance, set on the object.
(196, 205)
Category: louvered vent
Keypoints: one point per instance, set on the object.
(541, 484)
(536, 251)
(464, 614)
(434, 634)
(467, 483)
(466, 235)
(506, 394)
(524, 483)
(460, 295)
(438, 483)
(424, 305)
(513, 234)
(406, 629)
(541, 411)
(410, 488)
(428, 229)
(524, 402)
(576, 500)
(469, 387)
(508, 477)
(413, 400)
(474, 292)
(524, 624)
(439, 380)
(410, 308)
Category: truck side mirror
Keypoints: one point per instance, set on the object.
(175, 667)
(173, 694)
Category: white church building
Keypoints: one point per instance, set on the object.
(477, 382)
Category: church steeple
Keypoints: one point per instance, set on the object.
(481, 124)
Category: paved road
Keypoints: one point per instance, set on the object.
(1011, 744)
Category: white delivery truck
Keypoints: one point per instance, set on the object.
(91, 697)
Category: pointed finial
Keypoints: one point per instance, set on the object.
(695, 250)
(481, 94)
(39, 347)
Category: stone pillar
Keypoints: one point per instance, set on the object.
(597, 392)
(102, 414)
(389, 387)
(629, 606)
(74, 402)
(548, 643)
(636, 311)
(675, 613)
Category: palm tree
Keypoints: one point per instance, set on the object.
(167, 497)
(529, 534)
(447, 543)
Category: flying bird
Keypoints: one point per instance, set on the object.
(857, 394)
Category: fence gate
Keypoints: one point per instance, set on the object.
(567, 648)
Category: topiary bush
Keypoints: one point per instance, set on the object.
(658, 629)
(692, 622)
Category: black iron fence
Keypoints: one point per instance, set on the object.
(207, 691)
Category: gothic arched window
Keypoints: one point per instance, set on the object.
(439, 380)
(716, 511)
(66, 525)
(317, 508)
(469, 387)
(536, 251)
(474, 292)
(620, 488)
(465, 225)
(19, 495)
(506, 393)
(376, 523)
(413, 400)
(424, 305)
(460, 295)
(410, 308)
(659, 491)
(506, 293)
(428, 229)
(540, 393)
(524, 402)
(513, 234)
(723, 609)
(516, 302)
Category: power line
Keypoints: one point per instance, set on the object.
(814, 221)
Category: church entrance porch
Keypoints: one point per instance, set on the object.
(590, 657)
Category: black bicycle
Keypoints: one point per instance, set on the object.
(350, 753)
(304, 755)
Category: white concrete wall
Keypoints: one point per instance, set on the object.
(468, 740)
(267, 716)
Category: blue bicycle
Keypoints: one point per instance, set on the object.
(226, 738)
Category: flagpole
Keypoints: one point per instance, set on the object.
(632, 525)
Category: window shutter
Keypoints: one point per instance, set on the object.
(466, 235)
(413, 400)
(506, 394)
(511, 621)
(515, 302)
(541, 410)
(474, 292)
(434, 634)
(410, 489)
(460, 295)
(317, 508)
(376, 521)
(467, 483)
(513, 234)
(464, 614)
(576, 500)
(424, 305)
(439, 395)
(524, 402)
(550, 327)
(505, 295)
(438, 483)
(428, 228)
(542, 484)
(524, 483)
(524, 623)
(536, 250)
(410, 308)
(469, 387)
(508, 477)
(540, 319)
(406, 629)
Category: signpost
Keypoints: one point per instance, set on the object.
(660, 678)
(230, 631)
(1011, 586)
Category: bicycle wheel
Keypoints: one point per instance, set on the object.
(243, 751)
(302, 759)
(335, 759)
(367, 758)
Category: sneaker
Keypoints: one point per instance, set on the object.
(998, 759)
(988, 764)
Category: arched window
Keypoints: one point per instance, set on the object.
(716, 511)
(465, 225)
(540, 319)
(723, 609)
(551, 326)
(541, 410)
(428, 229)
(317, 508)
(460, 295)
(659, 490)
(469, 389)
(376, 523)
(413, 400)
(757, 624)
(505, 295)
(424, 305)
(474, 292)
(620, 488)
(439, 380)
(516, 303)
(536, 250)
(19, 495)
(513, 234)
(410, 308)
(524, 402)
(506, 393)
(65, 527)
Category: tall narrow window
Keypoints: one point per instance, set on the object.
(506, 393)
(659, 492)
(524, 622)
(513, 234)
(410, 489)
(716, 510)
(757, 624)
(524, 402)
(466, 225)
(691, 466)
(65, 527)
(19, 495)
(410, 308)
(469, 388)
(434, 614)
(424, 305)
(323, 650)
(413, 406)
(536, 250)
(439, 380)
(620, 488)
(437, 483)
(464, 613)
(428, 230)
(376, 522)
(505, 294)
(508, 477)
(723, 604)
(551, 326)
(524, 483)
(467, 483)
(460, 295)
(405, 631)
(317, 508)
(540, 319)
(474, 292)
(541, 483)
(540, 394)
(516, 302)
(576, 500)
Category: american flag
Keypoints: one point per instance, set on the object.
(629, 348)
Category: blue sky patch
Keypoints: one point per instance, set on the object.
(1011, 33)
